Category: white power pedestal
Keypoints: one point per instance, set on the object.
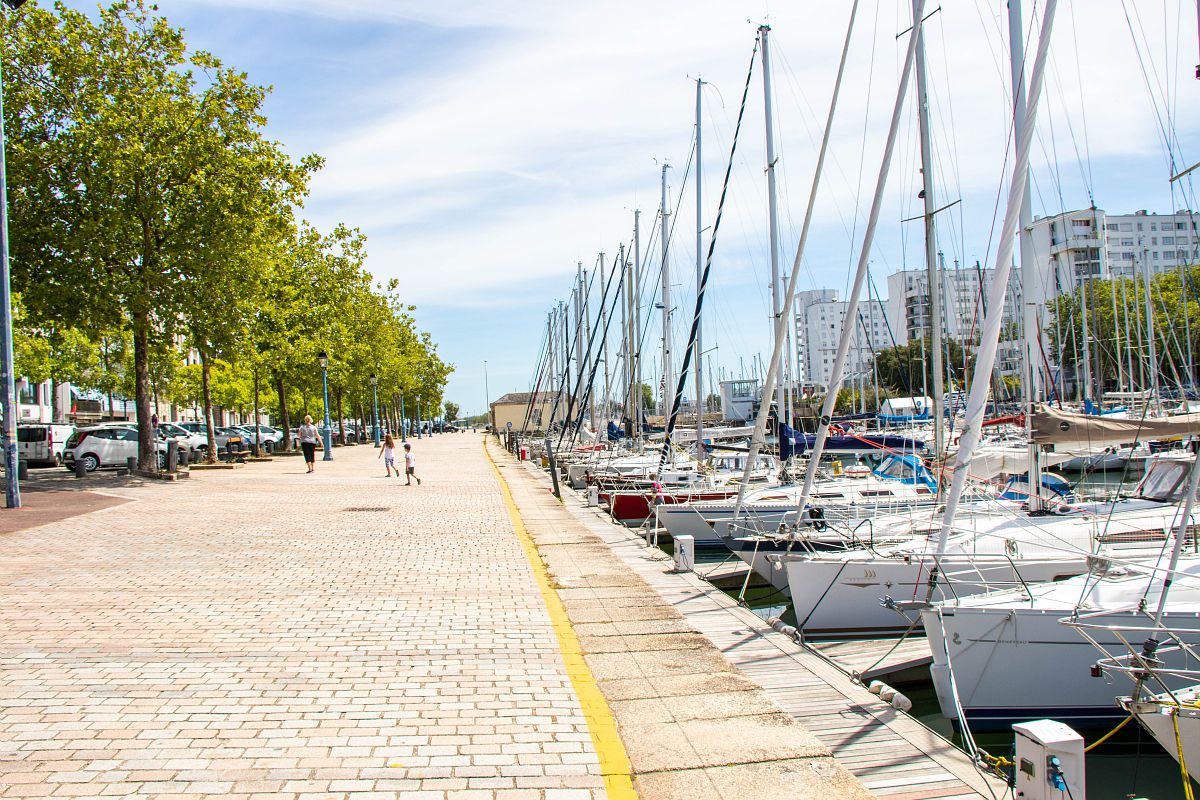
(1049, 762)
(685, 553)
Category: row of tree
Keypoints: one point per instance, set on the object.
(1117, 335)
(151, 215)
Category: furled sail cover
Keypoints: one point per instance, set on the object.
(1051, 426)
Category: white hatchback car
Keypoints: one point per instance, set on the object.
(107, 446)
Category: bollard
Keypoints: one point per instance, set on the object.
(173, 456)
(131, 464)
(183, 457)
(80, 470)
(22, 470)
(269, 446)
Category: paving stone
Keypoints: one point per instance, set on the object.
(642, 642)
(654, 747)
(267, 633)
(793, 779)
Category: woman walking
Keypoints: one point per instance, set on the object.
(388, 454)
(308, 442)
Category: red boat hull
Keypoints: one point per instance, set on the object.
(633, 508)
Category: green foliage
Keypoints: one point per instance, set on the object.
(150, 212)
(452, 410)
(1116, 314)
(908, 368)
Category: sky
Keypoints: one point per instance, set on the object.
(487, 148)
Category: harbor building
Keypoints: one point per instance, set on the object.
(964, 291)
(820, 315)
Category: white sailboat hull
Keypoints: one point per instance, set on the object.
(1012, 664)
(1160, 719)
(834, 597)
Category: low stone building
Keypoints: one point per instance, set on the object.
(514, 408)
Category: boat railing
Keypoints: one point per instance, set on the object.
(1153, 652)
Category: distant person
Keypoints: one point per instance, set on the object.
(154, 420)
(307, 433)
(388, 454)
(410, 465)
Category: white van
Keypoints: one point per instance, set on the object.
(42, 444)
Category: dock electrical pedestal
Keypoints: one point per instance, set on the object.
(1049, 762)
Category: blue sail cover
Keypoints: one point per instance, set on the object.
(614, 431)
(794, 442)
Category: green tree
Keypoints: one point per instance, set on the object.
(452, 410)
(122, 157)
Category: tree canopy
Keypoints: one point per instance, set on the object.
(151, 215)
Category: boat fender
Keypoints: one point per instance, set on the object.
(901, 702)
(875, 687)
(775, 622)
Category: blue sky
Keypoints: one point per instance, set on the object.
(485, 148)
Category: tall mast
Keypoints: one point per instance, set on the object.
(579, 291)
(1086, 343)
(604, 345)
(1030, 280)
(587, 326)
(931, 266)
(772, 206)
(668, 380)
(699, 279)
(1152, 346)
(627, 332)
(637, 324)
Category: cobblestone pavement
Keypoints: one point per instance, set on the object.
(263, 633)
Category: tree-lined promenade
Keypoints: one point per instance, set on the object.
(151, 213)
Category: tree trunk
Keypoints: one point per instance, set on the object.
(206, 391)
(257, 428)
(141, 370)
(341, 420)
(284, 420)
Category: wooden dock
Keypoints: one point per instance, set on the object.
(893, 754)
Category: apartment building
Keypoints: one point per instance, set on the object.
(820, 316)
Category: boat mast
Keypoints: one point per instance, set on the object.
(864, 253)
(604, 346)
(989, 338)
(931, 266)
(637, 326)
(587, 326)
(1030, 299)
(699, 279)
(1152, 346)
(760, 422)
(772, 209)
(1086, 343)
(578, 331)
(667, 376)
(627, 332)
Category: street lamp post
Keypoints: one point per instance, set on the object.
(375, 399)
(327, 434)
(487, 395)
(8, 384)
(403, 433)
(418, 416)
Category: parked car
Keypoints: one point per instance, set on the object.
(107, 446)
(42, 443)
(269, 434)
(189, 440)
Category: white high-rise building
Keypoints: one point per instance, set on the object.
(964, 295)
(820, 316)
(1072, 248)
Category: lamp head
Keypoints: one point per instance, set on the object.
(374, 379)
(322, 357)
(14, 4)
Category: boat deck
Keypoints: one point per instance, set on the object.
(893, 754)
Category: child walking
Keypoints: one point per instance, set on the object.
(388, 454)
(410, 465)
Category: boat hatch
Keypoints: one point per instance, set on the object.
(876, 493)
(827, 495)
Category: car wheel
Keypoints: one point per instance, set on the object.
(162, 460)
(91, 462)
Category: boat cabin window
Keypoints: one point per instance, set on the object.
(876, 493)
(827, 495)
(1165, 481)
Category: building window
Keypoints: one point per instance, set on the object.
(1168, 240)
(1111, 226)
(1154, 241)
(1153, 226)
(1127, 243)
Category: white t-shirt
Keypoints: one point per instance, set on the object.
(410, 461)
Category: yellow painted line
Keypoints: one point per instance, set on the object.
(614, 762)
